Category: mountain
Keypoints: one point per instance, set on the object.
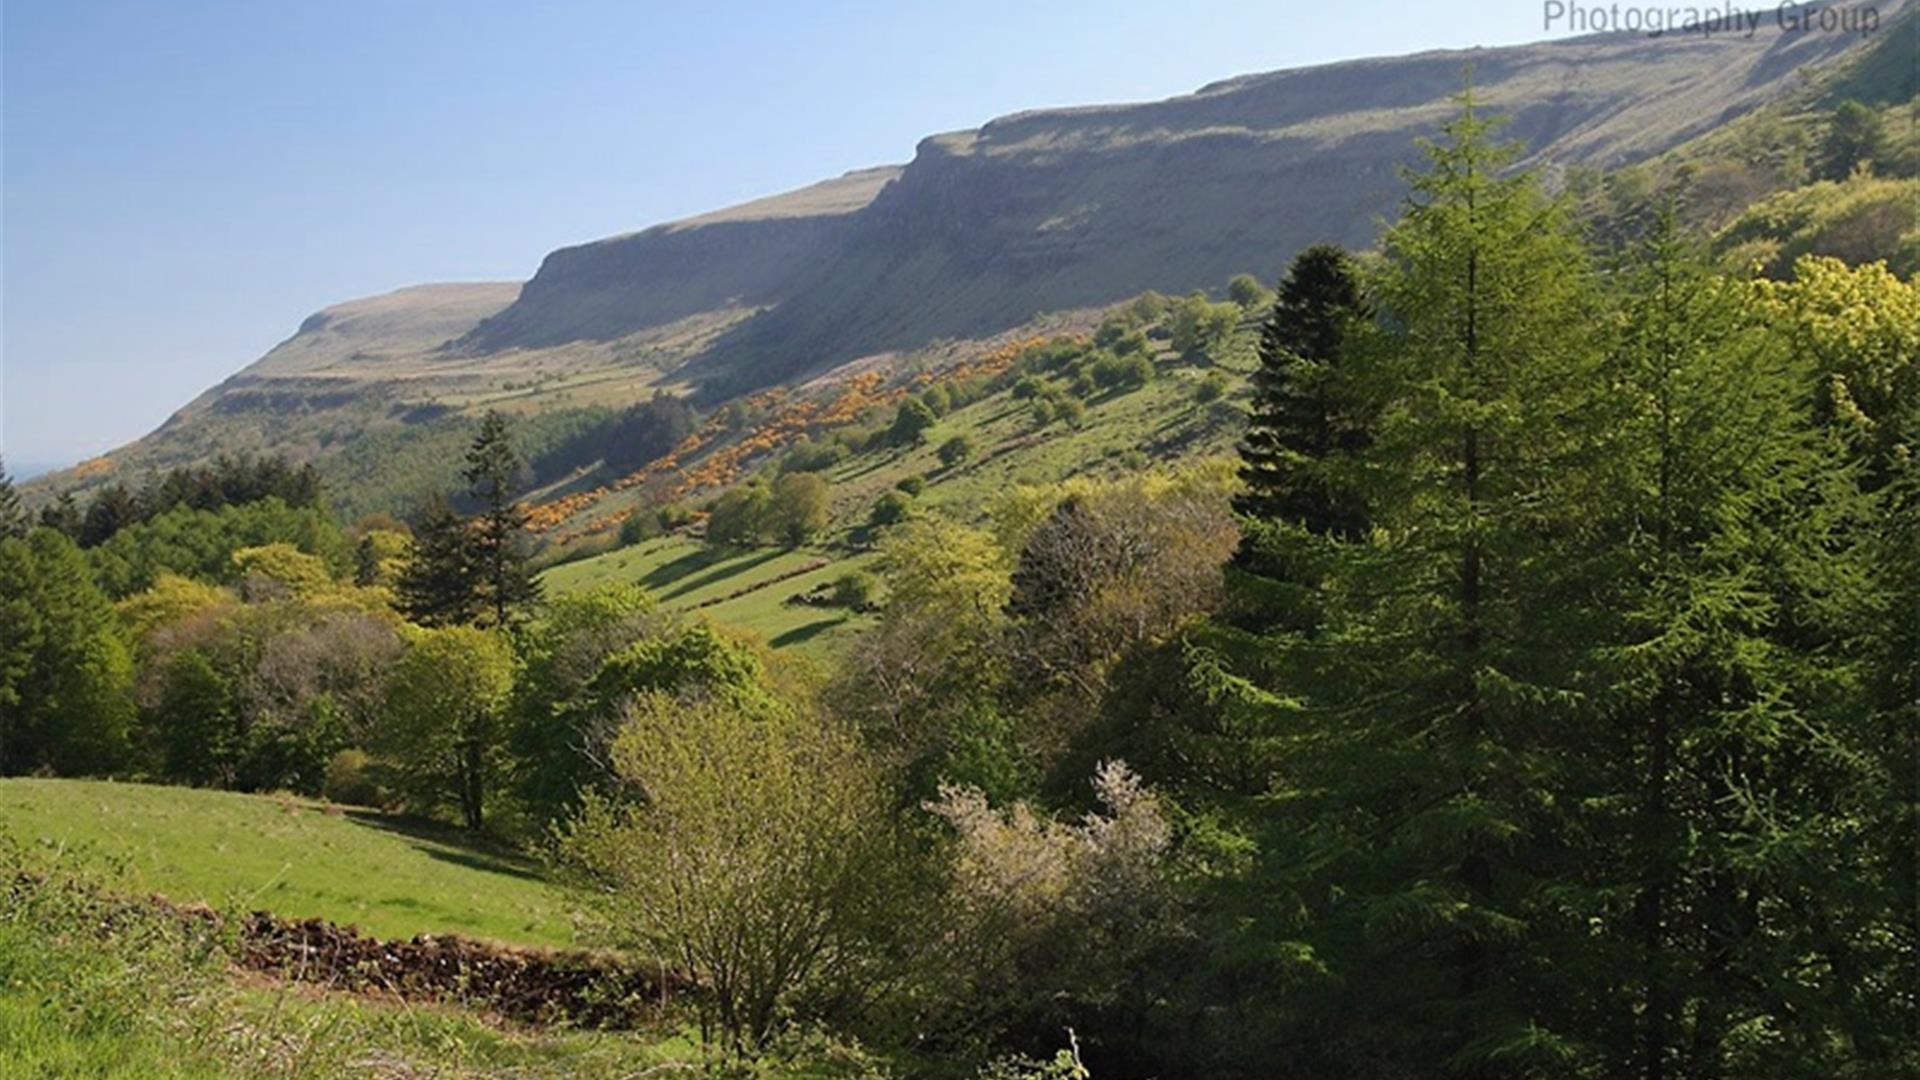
(982, 231)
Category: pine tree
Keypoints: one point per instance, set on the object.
(440, 586)
(63, 516)
(13, 516)
(1299, 414)
(498, 537)
(1305, 414)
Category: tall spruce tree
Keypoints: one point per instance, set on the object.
(498, 537)
(13, 516)
(1300, 414)
(439, 585)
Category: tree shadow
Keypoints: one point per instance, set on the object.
(806, 631)
(451, 845)
(731, 568)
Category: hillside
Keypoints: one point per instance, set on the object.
(982, 232)
(295, 857)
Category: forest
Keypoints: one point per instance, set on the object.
(1535, 694)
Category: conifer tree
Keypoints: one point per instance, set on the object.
(1714, 679)
(1299, 414)
(498, 536)
(13, 516)
(439, 586)
(1408, 853)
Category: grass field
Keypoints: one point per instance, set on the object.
(294, 857)
(749, 589)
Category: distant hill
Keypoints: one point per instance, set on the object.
(980, 233)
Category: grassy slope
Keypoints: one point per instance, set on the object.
(393, 878)
(748, 590)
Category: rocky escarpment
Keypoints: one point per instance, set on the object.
(1059, 209)
(746, 256)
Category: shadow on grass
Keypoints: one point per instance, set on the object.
(450, 845)
(806, 632)
(692, 562)
(733, 566)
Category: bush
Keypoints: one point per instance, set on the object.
(912, 485)
(1247, 293)
(1198, 324)
(1043, 412)
(763, 891)
(891, 509)
(1122, 372)
(809, 456)
(955, 451)
(1071, 412)
(639, 526)
(352, 778)
(1210, 389)
(856, 590)
(797, 510)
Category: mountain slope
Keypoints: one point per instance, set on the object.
(1039, 212)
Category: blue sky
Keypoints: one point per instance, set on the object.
(186, 181)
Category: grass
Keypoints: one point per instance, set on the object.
(391, 876)
(94, 987)
(748, 590)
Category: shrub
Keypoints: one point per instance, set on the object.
(352, 777)
(891, 509)
(1122, 372)
(912, 485)
(639, 526)
(955, 451)
(762, 848)
(1043, 412)
(797, 509)
(1210, 389)
(856, 590)
(1071, 412)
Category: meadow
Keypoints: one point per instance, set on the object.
(296, 857)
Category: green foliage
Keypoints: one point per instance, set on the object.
(1857, 219)
(739, 515)
(911, 423)
(891, 508)
(199, 734)
(857, 590)
(754, 861)
(201, 543)
(797, 509)
(1210, 389)
(65, 672)
(1122, 373)
(1855, 136)
(956, 451)
(497, 540)
(443, 726)
(13, 515)
(1304, 408)
(1247, 293)
(1196, 324)
(439, 585)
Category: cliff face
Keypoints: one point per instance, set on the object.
(1059, 209)
(1064, 208)
(744, 256)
